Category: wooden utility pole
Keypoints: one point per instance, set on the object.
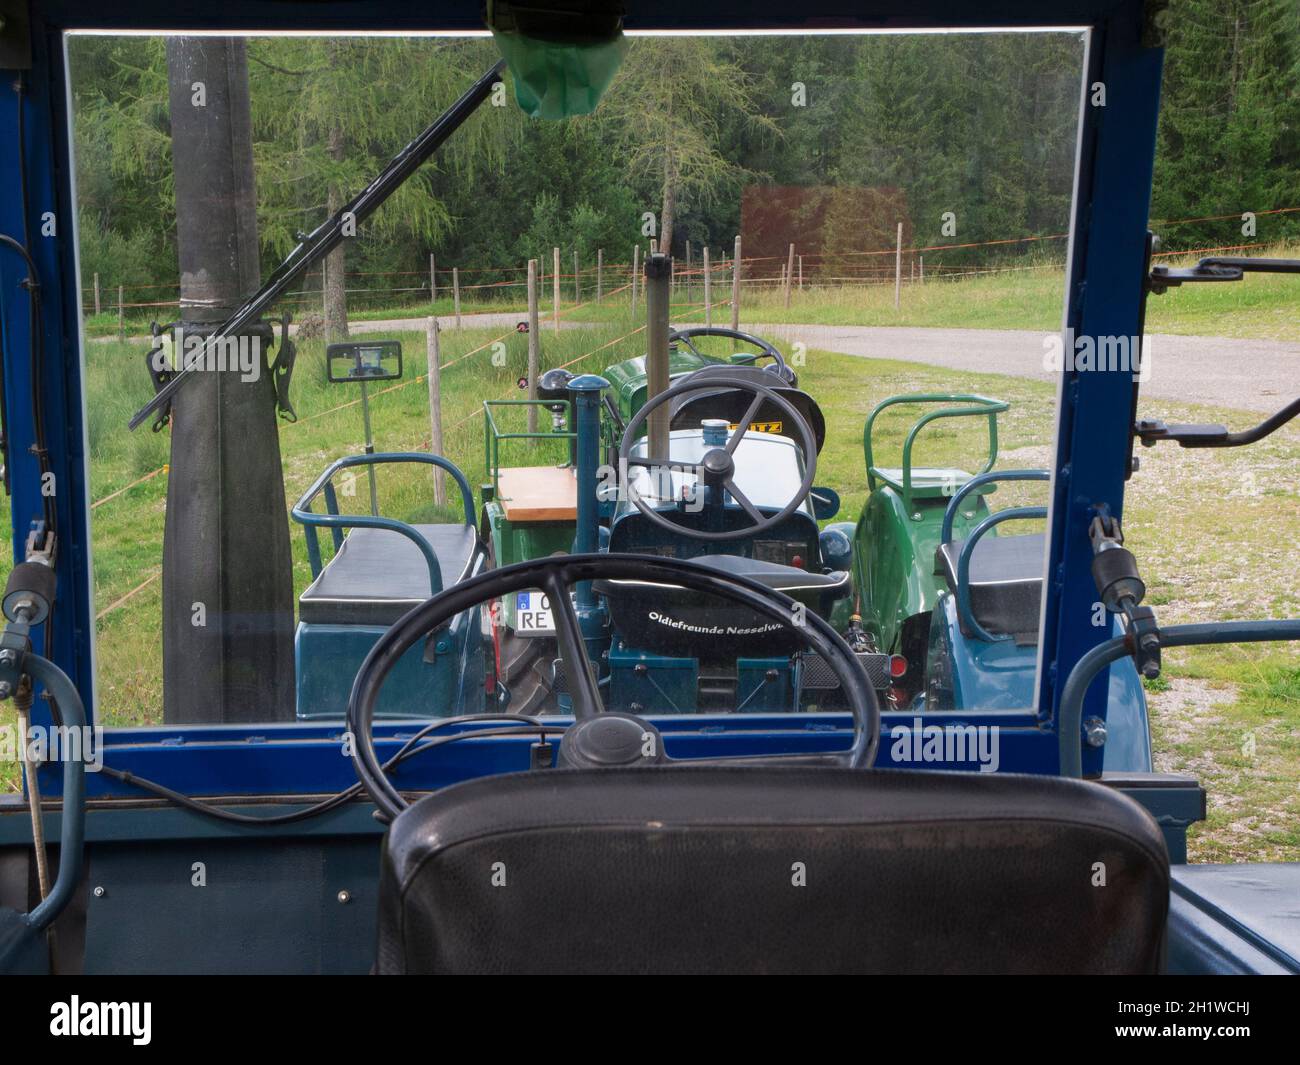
(432, 349)
(735, 287)
(226, 541)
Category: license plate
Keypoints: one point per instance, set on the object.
(532, 614)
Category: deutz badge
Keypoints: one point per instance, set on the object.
(760, 427)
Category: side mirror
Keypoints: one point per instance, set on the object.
(365, 361)
(825, 502)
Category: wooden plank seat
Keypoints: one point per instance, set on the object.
(538, 493)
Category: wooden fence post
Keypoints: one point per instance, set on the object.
(121, 315)
(898, 265)
(433, 349)
(708, 292)
(97, 294)
(534, 343)
(636, 269)
(789, 274)
(433, 280)
(735, 287)
(600, 272)
(555, 288)
(455, 291)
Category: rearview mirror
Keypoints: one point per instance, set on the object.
(371, 360)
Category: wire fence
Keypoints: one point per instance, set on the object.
(156, 574)
(507, 284)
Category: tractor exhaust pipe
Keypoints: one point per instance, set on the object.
(658, 282)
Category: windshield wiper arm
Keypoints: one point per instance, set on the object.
(327, 236)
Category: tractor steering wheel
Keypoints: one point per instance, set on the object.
(717, 468)
(765, 349)
(597, 737)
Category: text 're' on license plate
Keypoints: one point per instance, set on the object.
(533, 613)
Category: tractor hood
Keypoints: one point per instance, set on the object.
(628, 381)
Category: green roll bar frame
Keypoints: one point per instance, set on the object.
(980, 406)
(492, 435)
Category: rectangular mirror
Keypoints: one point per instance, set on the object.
(370, 360)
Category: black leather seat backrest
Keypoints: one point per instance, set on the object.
(761, 869)
(1006, 581)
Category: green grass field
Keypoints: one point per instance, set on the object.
(1217, 531)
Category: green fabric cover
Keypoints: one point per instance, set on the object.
(560, 79)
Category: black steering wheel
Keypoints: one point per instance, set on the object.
(717, 468)
(765, 349)
(597, 737)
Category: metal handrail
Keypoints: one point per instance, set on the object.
(1070, 718)
(966, 614)
(492, 436)
(950, 515)
(336, 522)
(72, 831)
(984, 407)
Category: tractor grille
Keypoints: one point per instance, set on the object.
(818, 676)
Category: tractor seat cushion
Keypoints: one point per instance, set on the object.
(788, 579)
(927, 482)
(764, 869)
(378, 575)
(1006, 581)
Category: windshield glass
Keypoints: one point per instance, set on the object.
(891, 213)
